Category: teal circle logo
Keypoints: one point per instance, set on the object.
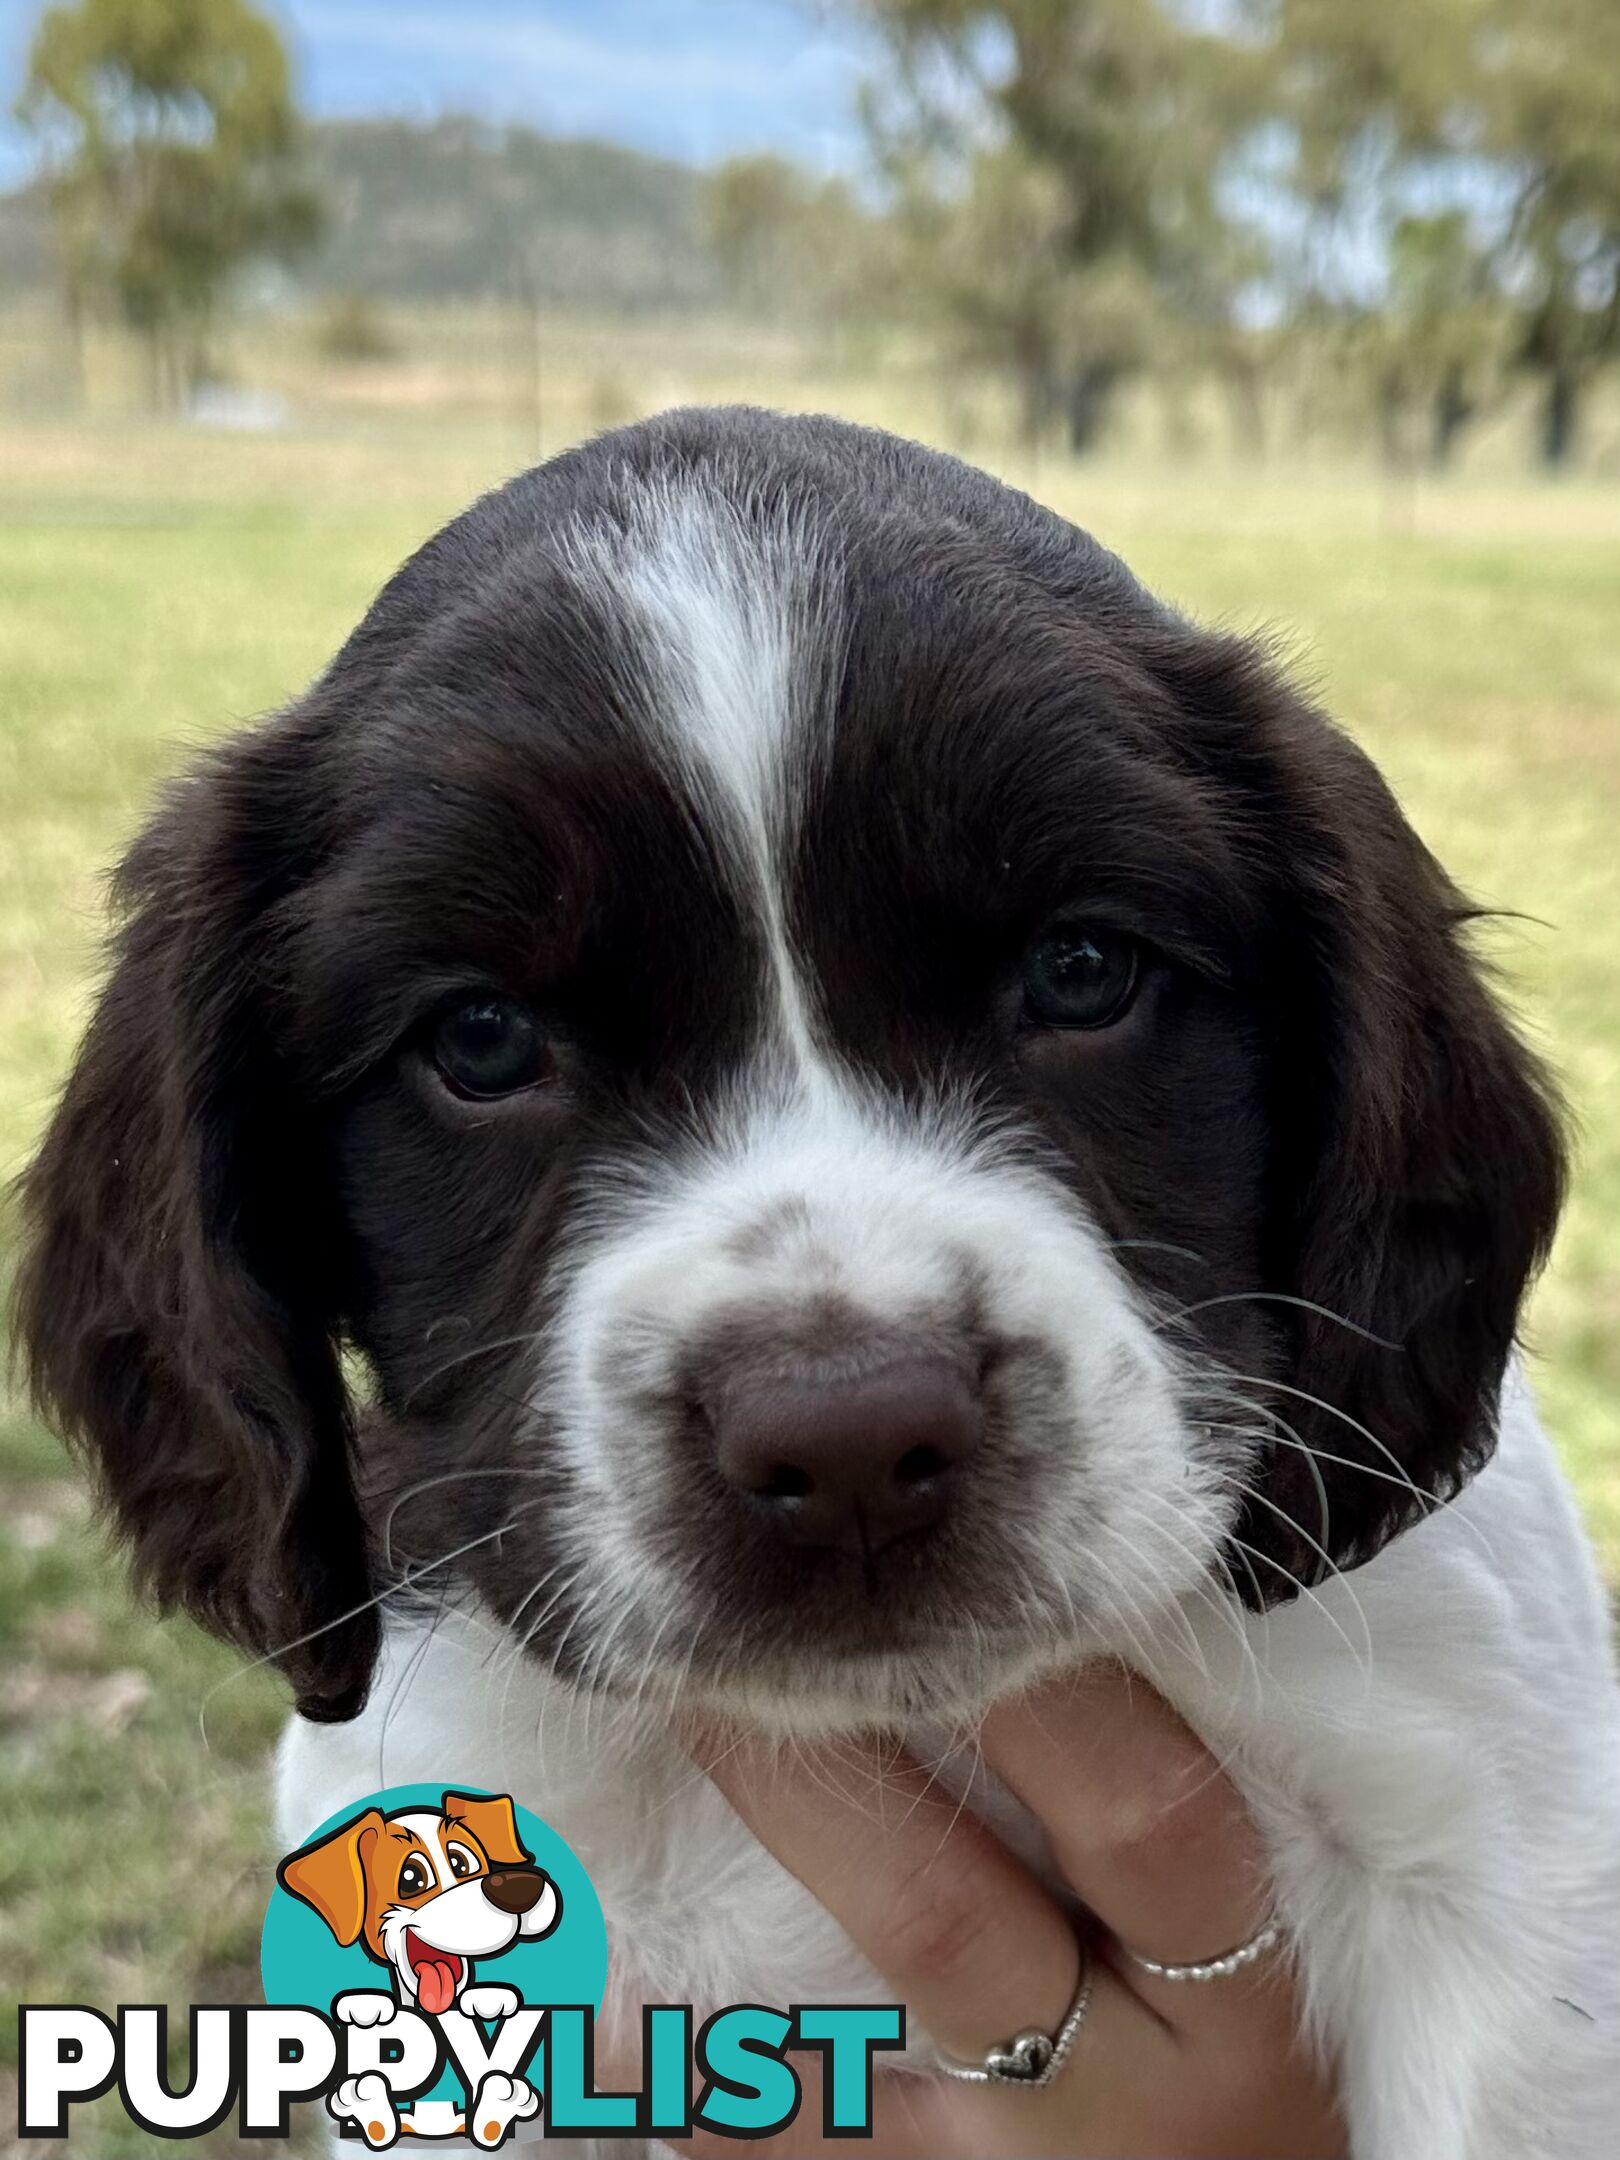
(445, 1897)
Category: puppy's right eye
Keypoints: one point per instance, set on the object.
(413, 1879)
(1080, 975)
(488, 1047)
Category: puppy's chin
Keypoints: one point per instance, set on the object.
(806, 1682)
(949, 1688)
(818, 1643)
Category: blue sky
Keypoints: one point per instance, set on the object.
(698, 79)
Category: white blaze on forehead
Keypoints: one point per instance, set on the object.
(736, 625)
(798, 1183)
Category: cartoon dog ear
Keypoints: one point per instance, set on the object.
(493, 1823)
(330, 1875)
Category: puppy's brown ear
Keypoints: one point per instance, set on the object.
(493, 1823)
(176, 1301)
(1417, 1165)
(330, 1875)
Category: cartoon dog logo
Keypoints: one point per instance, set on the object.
(425, 1891)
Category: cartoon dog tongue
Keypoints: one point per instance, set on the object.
(436, 1984)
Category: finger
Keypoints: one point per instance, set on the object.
(963, 1933)
(978, 1951)
(1141, 1820)
(1145, 1827)
(1111, 2106)
(1114, 2100)
(1157, 1843)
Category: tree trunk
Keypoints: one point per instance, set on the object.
(73, 323)
(193, 363)
(1039, 399)
(1031, 409)
(1392, 419)
(1245, 391)
(1086, 402)
(157, 376)
(1560, 416)
(1453, 409)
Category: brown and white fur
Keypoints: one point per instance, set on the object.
(761, 917)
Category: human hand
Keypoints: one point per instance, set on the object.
(1157, 1847)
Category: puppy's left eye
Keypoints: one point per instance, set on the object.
(489, 1046)
(462, 1862)
(1080, 975)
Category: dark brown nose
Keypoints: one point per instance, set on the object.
(850, 1464)
(514, 1890)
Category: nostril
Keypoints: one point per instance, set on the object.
(785, 1481)
(919, 1464)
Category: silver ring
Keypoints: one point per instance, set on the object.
(1216, 1968)
(1029, 2059)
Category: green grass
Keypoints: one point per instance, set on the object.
(156, 588)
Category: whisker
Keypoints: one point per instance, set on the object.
(1144, 1655)
(407, 1676)
(1364, 1656)
(378, 1598)
(1288, 1437)
(449, 1477)
(1147, 1244)
(1170, 1606)
(1201, 1588)
(465, 1357)
(518, 1645)
(1430, 1502)
(1332, 1409)
(1324, 1509)
(1282, 1297)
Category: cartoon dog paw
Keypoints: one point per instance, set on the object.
(366, 2006)
(367, 2103)
(490, 2001)
(500, 2102)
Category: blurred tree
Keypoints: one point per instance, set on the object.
(754, 208)
(1441, 336)
(1551, 115)
(179, 136)
(1508, 108)
(352, 328)
(1385, 268)
(1071, 152)
(789, 244)
(1425, 193)
(992, 270)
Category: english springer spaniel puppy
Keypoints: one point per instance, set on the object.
(880, 1114)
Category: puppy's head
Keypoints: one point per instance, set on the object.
(877, 1106)
(426, 1890)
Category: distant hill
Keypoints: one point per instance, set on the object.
(457, 208)
(454, 208)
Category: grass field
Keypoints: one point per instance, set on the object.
(156, 587)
